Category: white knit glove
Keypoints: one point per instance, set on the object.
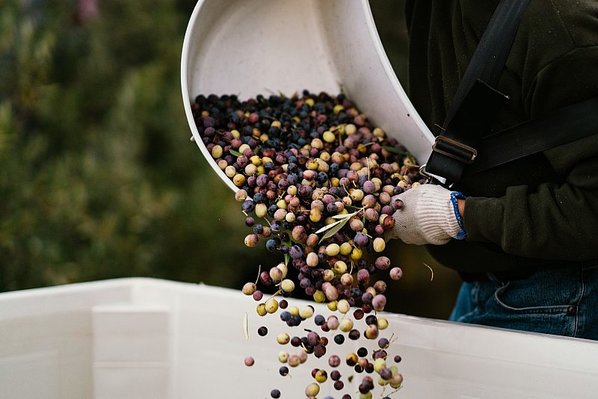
(428, 216)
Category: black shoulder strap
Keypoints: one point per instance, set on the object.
(488, 60)
(564, 126)
(476, 99)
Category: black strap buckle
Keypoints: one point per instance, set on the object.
(454, 149)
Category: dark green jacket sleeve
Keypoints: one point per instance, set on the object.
(540, 210)
(550, 221)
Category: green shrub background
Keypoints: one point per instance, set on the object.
(98, 178)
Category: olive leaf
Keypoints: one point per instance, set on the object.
(394, 150)
(344, 215)
(235, 153)
(328, 227)
(333, 228)
(338, 225)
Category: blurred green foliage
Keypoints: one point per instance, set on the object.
(97, 176)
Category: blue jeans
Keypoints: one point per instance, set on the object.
(560, 301)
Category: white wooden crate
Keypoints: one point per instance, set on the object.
(145, 338)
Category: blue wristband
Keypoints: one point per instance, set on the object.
(455, 195)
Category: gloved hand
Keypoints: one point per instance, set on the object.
(429, 216)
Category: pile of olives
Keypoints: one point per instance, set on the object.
(317, 186)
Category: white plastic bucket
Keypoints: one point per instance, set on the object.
(285, 46)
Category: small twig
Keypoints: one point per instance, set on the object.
(275, 294)
(345, 188)
(431, 271)
(246, 326)
(259, 272)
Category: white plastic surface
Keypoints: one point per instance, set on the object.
(284, 46)
(144, 338)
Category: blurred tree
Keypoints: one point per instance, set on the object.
(96, 178)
